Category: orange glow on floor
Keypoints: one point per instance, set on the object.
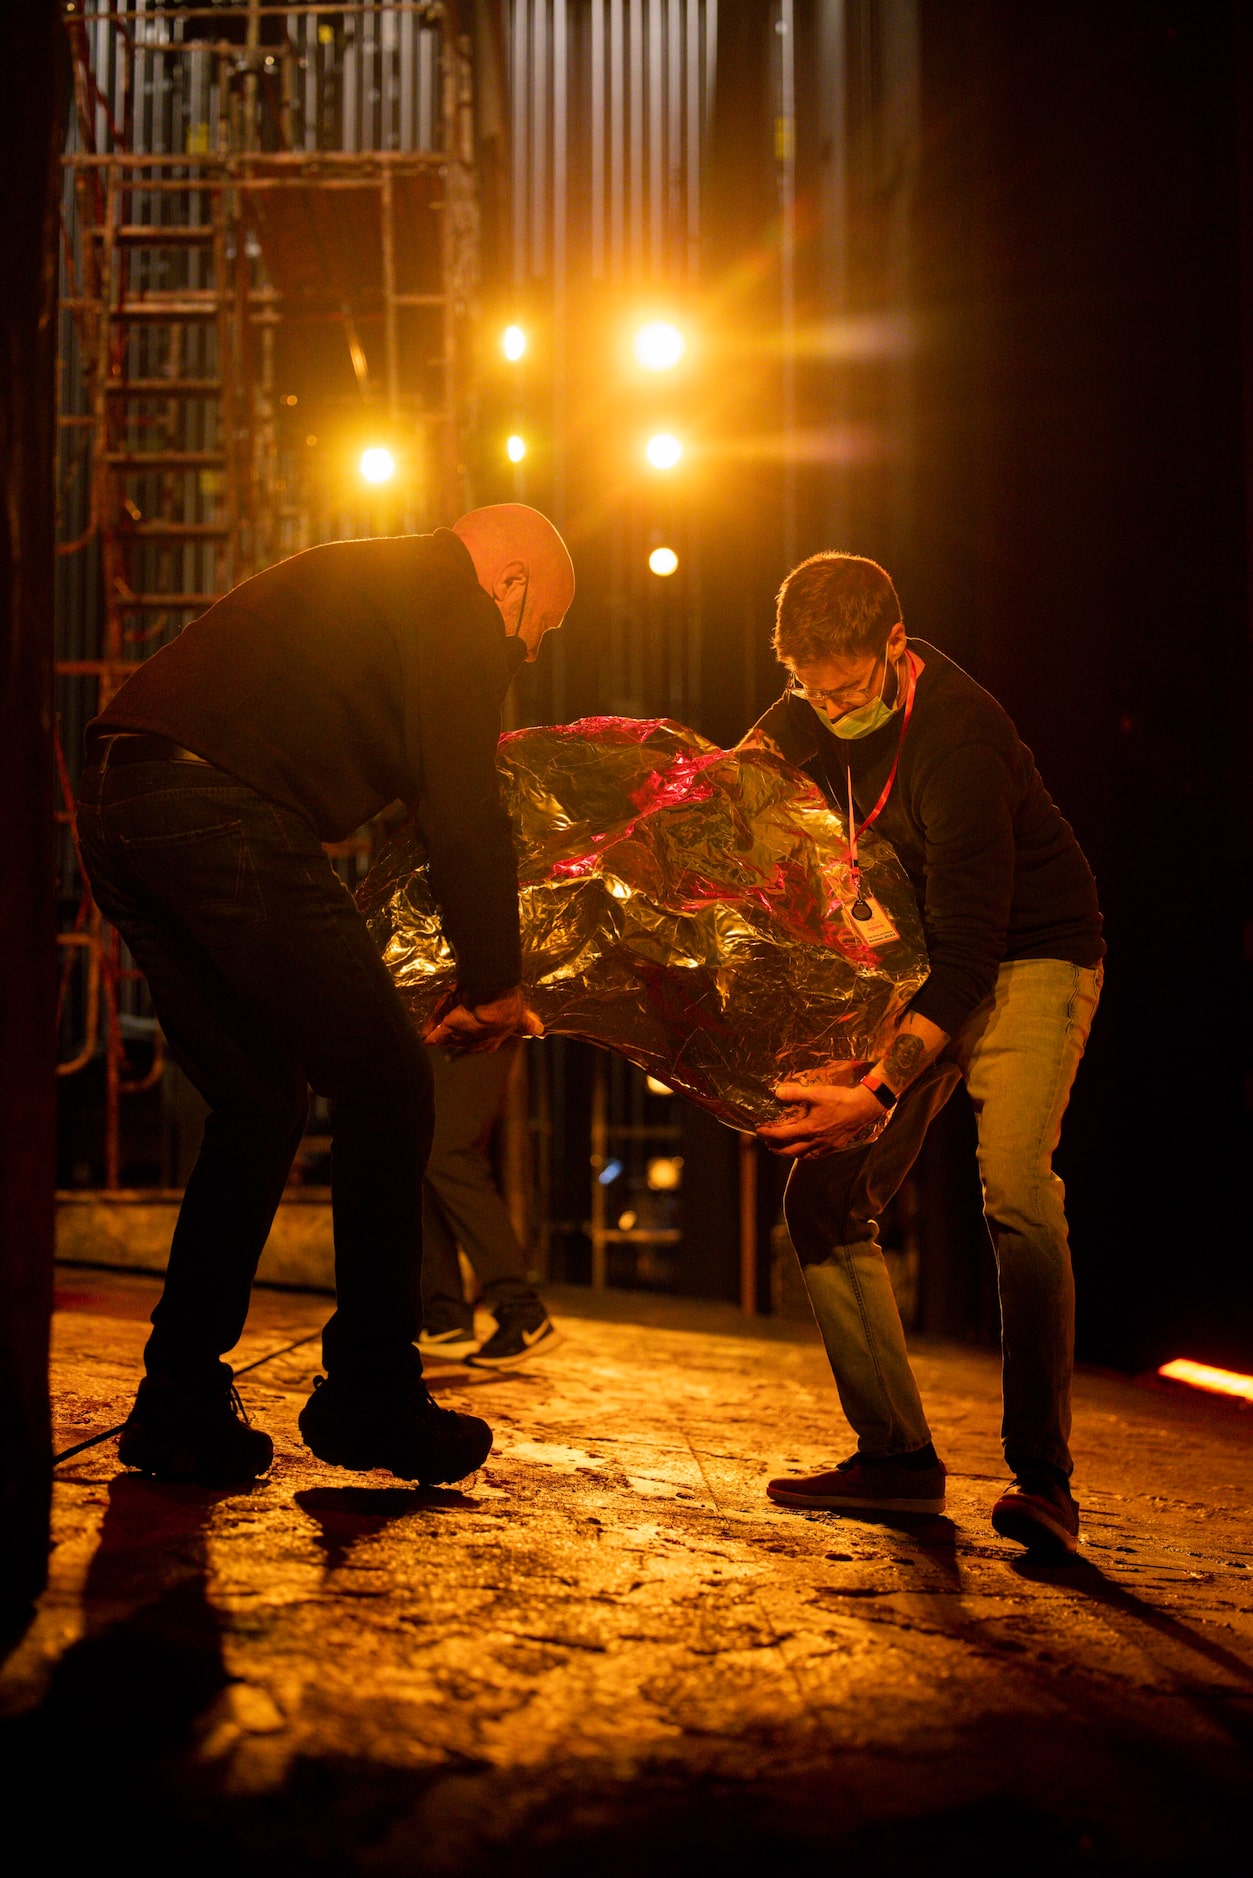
(1203, 1376)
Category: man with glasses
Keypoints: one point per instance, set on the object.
(1014, 940)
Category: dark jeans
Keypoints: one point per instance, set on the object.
(461, 1203)
(265, 981)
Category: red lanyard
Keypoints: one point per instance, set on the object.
(855, 831)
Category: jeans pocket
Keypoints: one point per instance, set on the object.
(204, 877)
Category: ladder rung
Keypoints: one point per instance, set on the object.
(163, 387)
(156, 234)
(185, 308)
(168, 601)
(175, 531)
(165, 459)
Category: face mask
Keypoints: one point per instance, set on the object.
(865, 719)
(515, 654)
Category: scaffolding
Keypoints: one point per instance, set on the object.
(256, 197)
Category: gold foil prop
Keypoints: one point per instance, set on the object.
(682, 905)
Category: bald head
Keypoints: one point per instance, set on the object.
(521, 560)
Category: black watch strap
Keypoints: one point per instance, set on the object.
(881, 1093)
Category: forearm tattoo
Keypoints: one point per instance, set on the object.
(903, 1061)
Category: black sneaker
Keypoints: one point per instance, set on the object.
(1041, 1514)
(516, 1341)
(451, 1344)
(397, 1427)
(201, 1435)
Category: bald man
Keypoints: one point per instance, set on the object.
(297, 707)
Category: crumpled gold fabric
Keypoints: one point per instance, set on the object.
(681, 904)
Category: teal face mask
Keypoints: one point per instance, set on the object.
(866, 719)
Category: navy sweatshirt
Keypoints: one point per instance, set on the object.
(345, 678)
(996, 868)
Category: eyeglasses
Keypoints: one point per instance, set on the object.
(849, 699)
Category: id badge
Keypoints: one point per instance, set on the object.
(875, 929)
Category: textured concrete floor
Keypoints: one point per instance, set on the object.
(609, 1654)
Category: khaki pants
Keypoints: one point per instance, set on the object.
(1017, 1054)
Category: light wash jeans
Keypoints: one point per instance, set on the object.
(1018, 1054)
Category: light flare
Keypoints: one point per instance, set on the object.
(1205, 1376)
(663, 450)
(663, 561)
(515, 448)
(659, 345)
(513, 343)
(377, 465)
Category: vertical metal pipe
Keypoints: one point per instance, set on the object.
(785, 154)
(674, 133)
(408, 28)
(617, 140)
(310, 138)
(598, 137)
(539, 137)
(748, 1224)
(635, 174)
(391, 340)
(656, 136)
(427, 39)
(520, 47)
(693, 129)
(599, 1157)
(388, 61)
(711, 58)
(349, 83)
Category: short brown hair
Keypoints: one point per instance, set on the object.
(834, 606)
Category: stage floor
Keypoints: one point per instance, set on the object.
(608, 1654)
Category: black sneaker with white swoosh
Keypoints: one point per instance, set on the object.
(516, 1340)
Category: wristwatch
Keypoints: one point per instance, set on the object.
(880, 1092)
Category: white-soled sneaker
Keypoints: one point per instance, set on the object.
(516, 1341)
(453, 1344)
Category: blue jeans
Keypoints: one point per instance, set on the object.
(265, 981)
(1017, 1054)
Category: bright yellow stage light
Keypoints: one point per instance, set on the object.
(513, 342)
(659, 346)
(663, 451)
(515, 449)
(663, 561)
(377, 465)
(1205, 1376)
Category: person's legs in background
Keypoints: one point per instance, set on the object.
(462, 1200)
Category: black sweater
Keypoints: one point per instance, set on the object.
(997, 870)
(344, 678)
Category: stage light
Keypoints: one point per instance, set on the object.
(377, 465)
(515, 449)
(663, 561)
(665, 1173)
(659, 346)
(513, 343)
(663, 451)
(1205, 1376)
(658, 1088)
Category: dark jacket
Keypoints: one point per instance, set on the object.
(345, 678)
(997, 870)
